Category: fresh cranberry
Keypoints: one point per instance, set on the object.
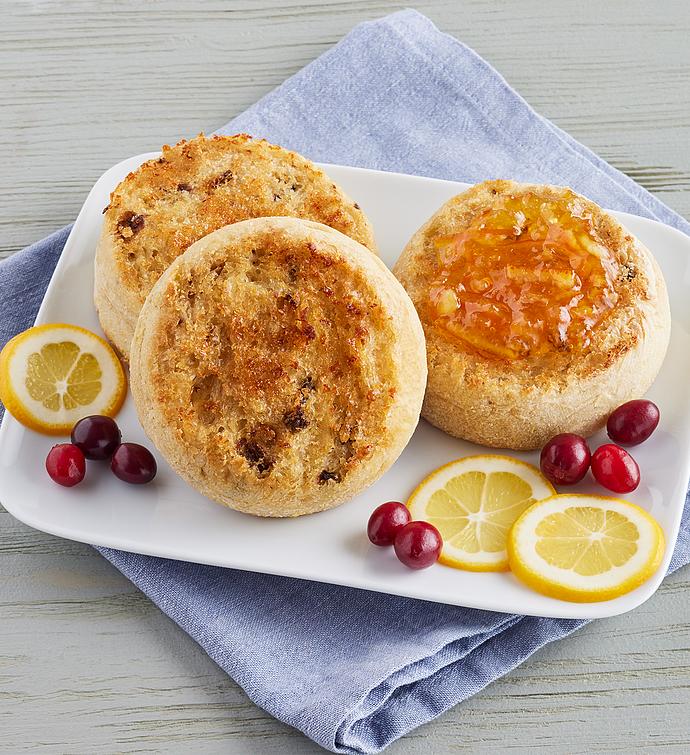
(565, 459)
(66, 465)
(133, 463)
(633, 422)
(418, 544)
(97, 436)
(615, 469)
(385, 521)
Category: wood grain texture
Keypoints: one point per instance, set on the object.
(85, 84)
(87, 664)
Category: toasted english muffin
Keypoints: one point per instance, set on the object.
(278, 366)
(541, 313)
(194, 188)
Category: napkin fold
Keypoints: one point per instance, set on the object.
(355, 670)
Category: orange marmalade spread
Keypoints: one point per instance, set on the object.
(525, 277)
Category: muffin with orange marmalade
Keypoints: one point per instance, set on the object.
(541, 312)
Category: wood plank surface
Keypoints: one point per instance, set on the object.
(87, 664)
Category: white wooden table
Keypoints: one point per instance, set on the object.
(87, 664)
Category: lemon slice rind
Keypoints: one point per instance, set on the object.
(565, 584)
(14, 369)
(481, 561)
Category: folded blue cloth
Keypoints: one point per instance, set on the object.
(355, 670)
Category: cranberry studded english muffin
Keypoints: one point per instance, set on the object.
(194, 188)
(541, 312)
(278, 366)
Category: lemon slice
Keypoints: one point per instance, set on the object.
(585, 548)
(53, 375)
(473, 503)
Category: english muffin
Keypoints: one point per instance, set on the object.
(194, 188)
(278, 366)
(541, 312)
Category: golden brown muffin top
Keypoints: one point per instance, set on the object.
(272, 360)
(200, 185)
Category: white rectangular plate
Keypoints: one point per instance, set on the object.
(168, 518)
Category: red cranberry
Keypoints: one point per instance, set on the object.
(97, 436)
(133, 463)
(633, 422)
(66, 465)
(418, 544)
(565, 459)
(615, 469)
(385, 521)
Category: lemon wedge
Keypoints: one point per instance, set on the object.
(473, 502)
(53, 375)
(585, 548)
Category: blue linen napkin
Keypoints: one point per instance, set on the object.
(355, 670)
